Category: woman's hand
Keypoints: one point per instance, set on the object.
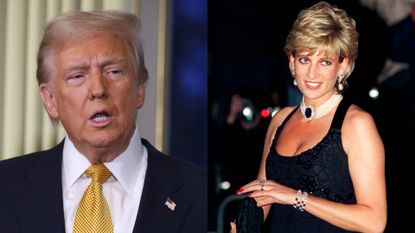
(233, 227)
(267, 192)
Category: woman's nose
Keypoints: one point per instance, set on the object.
(313, 71)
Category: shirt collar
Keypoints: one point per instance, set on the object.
(125, 167)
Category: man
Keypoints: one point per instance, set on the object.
(91, 76)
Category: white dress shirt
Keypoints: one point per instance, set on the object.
(122, 190)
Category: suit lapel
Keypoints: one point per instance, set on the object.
(40, 203)
(161, 182)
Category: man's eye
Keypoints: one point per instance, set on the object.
(114, 71)
(76, 76)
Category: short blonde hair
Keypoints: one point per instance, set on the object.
(74, 25)
(326, 28)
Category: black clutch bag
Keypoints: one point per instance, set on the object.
(250, 217)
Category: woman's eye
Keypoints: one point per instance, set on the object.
(303, 60)
(326, 62)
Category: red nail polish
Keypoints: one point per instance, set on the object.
(249, 194)
(240, 190)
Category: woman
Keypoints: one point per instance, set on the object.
(323, 162)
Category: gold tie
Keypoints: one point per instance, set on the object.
(93, 214)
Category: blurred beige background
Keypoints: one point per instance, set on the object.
(24, 125)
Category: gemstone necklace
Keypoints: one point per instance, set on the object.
(310, 112)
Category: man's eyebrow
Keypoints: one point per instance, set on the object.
(107, 62)
(77, 66)
(85, 65)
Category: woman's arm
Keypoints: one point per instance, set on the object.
(366, 159)
(365, 152)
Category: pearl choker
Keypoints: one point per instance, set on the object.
(310, 113)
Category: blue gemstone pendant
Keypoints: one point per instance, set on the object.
(308, 112)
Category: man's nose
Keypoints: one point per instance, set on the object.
(97, 86)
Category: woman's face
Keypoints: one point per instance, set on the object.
(316, 75)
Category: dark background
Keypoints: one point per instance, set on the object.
(187, 137)
(245, 52)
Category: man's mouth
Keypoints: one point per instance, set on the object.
(100, 117)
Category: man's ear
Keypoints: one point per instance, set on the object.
(141, 94)
(48, 100)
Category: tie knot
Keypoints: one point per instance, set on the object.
(98, 172)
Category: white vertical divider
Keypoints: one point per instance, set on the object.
(33, 107)
(13, 122)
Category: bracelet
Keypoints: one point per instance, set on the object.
(300, 200)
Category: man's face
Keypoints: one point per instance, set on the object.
(94, 93)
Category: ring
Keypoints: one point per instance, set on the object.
(261, 183)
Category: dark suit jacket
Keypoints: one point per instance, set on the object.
(31, 194)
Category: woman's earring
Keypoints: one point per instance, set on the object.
(293, 74)
(340, 86)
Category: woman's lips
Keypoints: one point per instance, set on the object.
(313, 85)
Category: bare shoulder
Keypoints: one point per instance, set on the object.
(281, 115)
(276, 122)
(359, 129)
(357, 118)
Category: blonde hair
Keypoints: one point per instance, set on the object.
(325, 28)
(74, 25)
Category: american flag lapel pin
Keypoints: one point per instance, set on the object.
(170, 204)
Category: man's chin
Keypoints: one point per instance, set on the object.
(104, 142)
